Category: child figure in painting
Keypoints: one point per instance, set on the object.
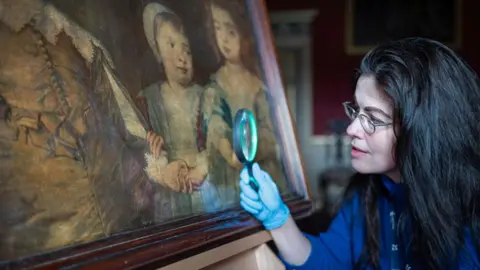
(173, 106)
(234, 86)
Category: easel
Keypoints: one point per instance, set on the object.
(250, 253)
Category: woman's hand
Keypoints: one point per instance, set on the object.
(266, 204)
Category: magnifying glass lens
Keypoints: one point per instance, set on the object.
(247, 141)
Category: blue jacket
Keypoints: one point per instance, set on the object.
(341, 246)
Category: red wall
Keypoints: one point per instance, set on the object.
(333, 69)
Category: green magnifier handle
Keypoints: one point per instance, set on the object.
(252, 181)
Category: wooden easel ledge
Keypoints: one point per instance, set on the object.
(250, 253)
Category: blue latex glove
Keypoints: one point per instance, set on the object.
(266, 205)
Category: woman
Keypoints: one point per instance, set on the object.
(413, 205)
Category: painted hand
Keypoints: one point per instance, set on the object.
(235, 162)
(156, 144)
(266, 204)
(196, 176)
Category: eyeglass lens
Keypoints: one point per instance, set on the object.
(352, 113)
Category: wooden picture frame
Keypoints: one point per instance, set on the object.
(447, 29)
(153, 245)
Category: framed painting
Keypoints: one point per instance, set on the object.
(116, 129)
(440, 20)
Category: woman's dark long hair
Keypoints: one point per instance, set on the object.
(436, 97)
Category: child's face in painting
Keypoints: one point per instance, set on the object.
(226, 34)
(175, 52)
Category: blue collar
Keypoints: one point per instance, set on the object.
(396, 191)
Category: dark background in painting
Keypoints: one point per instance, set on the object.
(118, 24)
(376, 21)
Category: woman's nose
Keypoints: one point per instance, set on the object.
(355, 129)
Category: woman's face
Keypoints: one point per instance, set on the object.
(175, 52)
(226, 34)
(373, 153)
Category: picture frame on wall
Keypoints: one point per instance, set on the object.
(371, 22)
(116, 137)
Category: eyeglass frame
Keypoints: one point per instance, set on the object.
(348, 104)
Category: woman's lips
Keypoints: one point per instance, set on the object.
(356, 152)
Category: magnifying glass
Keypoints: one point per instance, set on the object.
(245, 141)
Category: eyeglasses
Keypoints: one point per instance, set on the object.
(367, 123)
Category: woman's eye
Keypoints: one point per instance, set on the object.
(376, 120)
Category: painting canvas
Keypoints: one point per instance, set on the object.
(395, 19)
(117, 115)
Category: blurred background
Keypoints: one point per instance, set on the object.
(319, 46)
